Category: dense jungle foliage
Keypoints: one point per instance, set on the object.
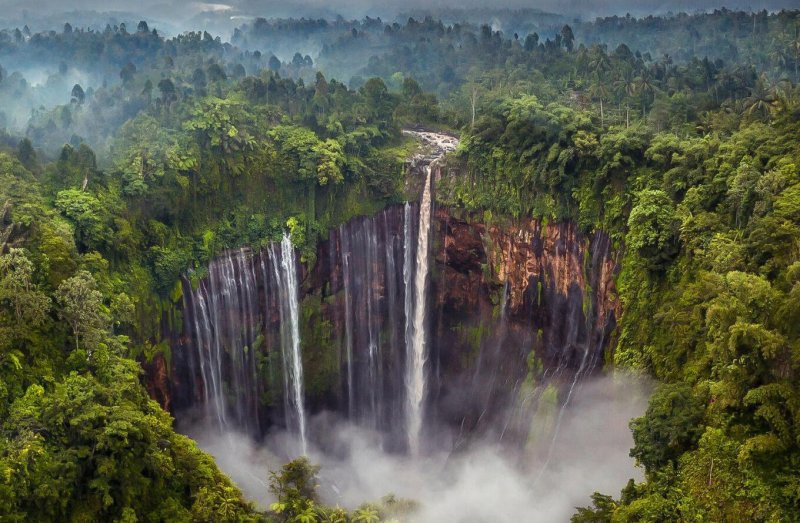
(93, 250)
(684, 149)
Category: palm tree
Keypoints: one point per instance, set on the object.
(666, 63)
(761, 101)
(228, 505)
(599, 63)
(786, 98)
(599, 90)
(12, 359)
(645, 85)
(308, 515)
(366, 514)
(334, 515)
(705, 123)
(725, 85)
(625, 86)
(733, 82)
(779, 55)
(567, 38)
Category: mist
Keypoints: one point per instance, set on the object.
(222, 16)
(193, 7)
(39, 69)
(481, 481)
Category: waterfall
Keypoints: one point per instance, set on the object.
(238, 360)
(600, 244)
(374, 377)
(348, 319)
(243, 363)
(221, 320)
(415, 363)
(364, 279)
(243, 334)
(285, 269)
(408, 268)
(393, 396)
(554, 438)
(207, 357)
(391, 281)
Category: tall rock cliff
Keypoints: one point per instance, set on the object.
(510, 309)
(466, 330)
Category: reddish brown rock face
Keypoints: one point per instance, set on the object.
(508, 291)
(556, 256)
(158, 384)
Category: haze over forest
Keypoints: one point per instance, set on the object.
(192, 15)
(362, 262)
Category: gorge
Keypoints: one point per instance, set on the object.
(469, 264)
(429, 328)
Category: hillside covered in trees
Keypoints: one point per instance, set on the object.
(130, 160)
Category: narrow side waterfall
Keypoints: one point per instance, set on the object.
(600, 244)
(285, 268)
(408, 271)
(208, 357)
(365, 255)
(242, 326)
(415, 366)
(221, 316)
(347, 275)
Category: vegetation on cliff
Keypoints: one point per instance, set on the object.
(92, 252)
(691, 164)
(706, 215)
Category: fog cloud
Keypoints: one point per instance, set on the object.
(485, 482)
(189, 14)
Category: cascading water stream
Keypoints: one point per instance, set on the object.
(585, 359)
(364, 279)
(348, 320)
(221, 320)
(551, 447)
(415, 366)
(286, 275)
(208, 359)
(374, 378)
